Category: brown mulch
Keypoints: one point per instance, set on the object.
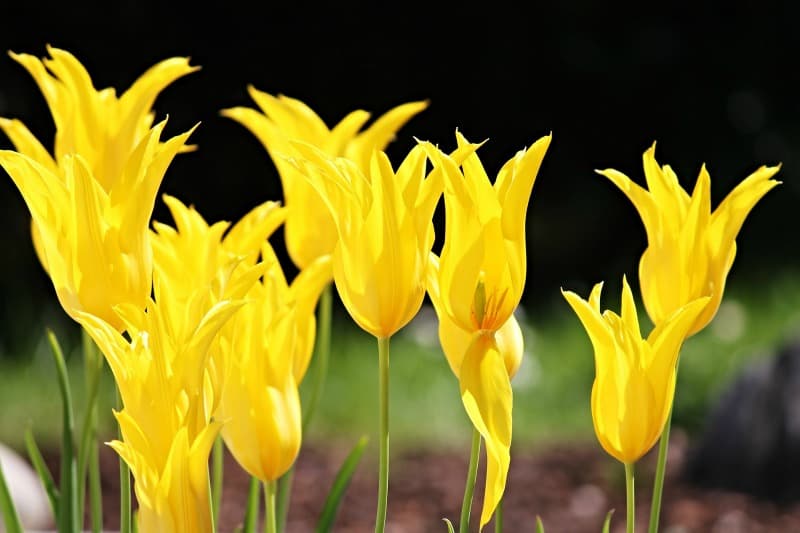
(570, 486)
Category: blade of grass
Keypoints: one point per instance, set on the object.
(607, 522)
(10, 516)
(449, 526)
(340, 483)
(35, 455)
(68, 517)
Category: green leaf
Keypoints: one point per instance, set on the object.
(68, 516)
(9, 512)
(40, 466)
(607, 523)
(539, 525)
(449, 526)
(340, 483)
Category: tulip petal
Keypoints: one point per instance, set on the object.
(487, 397)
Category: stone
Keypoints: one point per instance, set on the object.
(27, 492)
(751, 443)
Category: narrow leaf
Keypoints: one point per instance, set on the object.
(40, 466)
(449, 526)
(68, 517)
(339, 487)
(539, 525)
(10, 516)
(607, 523)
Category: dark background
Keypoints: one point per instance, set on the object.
(710, 84)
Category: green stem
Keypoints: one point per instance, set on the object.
(251, 514)
(95, 489)
(498, 517)
(124, 486)
(7, 509)
(472, 474)
(283, 497)
(321, 355)
(631, 516)
(383, 437)
(88, 456)
(217, 457)
(658, 483)
(270, 522)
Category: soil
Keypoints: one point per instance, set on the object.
(570, 486)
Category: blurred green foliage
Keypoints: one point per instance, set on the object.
(552, 388)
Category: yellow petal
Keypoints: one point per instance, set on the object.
(487, 397)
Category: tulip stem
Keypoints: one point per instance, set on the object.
(251, 513)
(322, 353)
(472, 474)
(631, 517)
(270, 522)
(124, 486)
(217, 473)
(88, 455)
(658, 483)
(383, 437)
(498, 517)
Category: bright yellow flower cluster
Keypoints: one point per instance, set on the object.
(91, 201)
(204, 335)
(682, 276)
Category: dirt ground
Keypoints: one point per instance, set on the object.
(570, 486)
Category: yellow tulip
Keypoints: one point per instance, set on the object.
(94, 242)
(99, 126)
(384, 223)
(195, 254)
(635, 377)
(261, 355)
(310, 231)
(690, 248)
(166, 427)
(266, 349)
(483, 260)
(475, 287)
(455, 340)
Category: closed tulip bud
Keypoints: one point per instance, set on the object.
(635, 377)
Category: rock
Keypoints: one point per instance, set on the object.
(752, 439)
(27, 492)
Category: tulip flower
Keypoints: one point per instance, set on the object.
(690, 248)
(94, 242)
(384, 223)
(635, 379)
(167, 432)
(385, 232)
(310, 230)
(477, 284)
(99, 126)
(195, 253)
(266, 349)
